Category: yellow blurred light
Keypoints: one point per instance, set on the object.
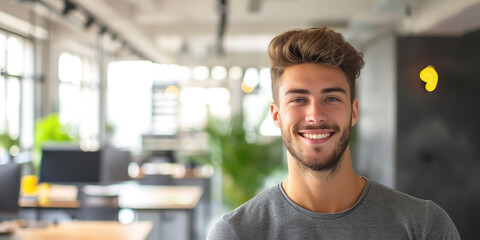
(172, 91)
(430, 77)
(43, 193)
(247, 89)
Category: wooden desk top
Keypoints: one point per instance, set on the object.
(86, 230)
(49, 203)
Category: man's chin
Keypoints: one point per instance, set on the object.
(319, 166)
(322, 168)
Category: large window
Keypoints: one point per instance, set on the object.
(79, 98)
(198, 102)
(176, 101)
(16, 91)
(257, 84)
(129, 102)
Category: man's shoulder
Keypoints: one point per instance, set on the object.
(418, 213)
(402, 205)
(383, 194)
(261, 203)
(247, 216)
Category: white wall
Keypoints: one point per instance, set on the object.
(376, 91)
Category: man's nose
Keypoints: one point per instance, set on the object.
(315, 113)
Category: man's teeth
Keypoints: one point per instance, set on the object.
(316, 136)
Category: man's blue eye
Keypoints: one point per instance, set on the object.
(333, 99)
(298, 100)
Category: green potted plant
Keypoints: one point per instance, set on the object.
(11, 145)
(245, 165)
(48, 130)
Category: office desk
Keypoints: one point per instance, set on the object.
(49, 204)
(84, 230)
(154, 203)
(169, 208)
(160, 197)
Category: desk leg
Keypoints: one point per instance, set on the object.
(191, 224)
(37, 214)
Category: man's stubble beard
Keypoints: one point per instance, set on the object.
(331, 161)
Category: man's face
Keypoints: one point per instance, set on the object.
(315, 114)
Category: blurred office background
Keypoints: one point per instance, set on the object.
(172, 86)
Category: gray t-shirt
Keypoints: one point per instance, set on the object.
(380, 213)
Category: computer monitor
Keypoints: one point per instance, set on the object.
(9, 187)
(67, 165)
(114, 165)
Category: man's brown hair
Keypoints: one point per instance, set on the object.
(320, 45)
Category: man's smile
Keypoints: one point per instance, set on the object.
(316, 134)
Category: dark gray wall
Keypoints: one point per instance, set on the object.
(438, 154)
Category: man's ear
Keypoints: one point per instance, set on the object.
(354, 112)
(274, 113)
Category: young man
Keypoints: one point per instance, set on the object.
(313, 80)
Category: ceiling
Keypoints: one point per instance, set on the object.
(190, 32)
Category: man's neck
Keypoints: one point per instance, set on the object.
(324, 191)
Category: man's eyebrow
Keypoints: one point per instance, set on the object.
(325, 90)
(297, 91)
(335, 89)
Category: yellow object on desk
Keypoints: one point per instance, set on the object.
(52, 196)
(29, 185)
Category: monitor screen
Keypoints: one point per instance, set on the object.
(114, 165)
(69, 166)
(10, 187)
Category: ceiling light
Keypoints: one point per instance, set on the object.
(183, 73)
(235, 73)
(219, 72)
(201, 73)
(265, 78)
(251, 77)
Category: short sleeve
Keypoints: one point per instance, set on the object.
(222, 230)
(440, 225)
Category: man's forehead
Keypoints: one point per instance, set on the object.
(312, 75)
(287, 86)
